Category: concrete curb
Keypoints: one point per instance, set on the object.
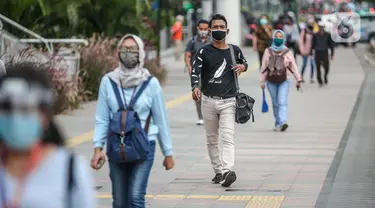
(368, 58)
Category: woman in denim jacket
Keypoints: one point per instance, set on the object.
(129, 180)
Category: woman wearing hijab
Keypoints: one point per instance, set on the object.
(129, 180)
(36, 170)
(278, 64)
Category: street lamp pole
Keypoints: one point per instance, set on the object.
(158, 29)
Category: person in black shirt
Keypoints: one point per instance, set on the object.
(321, 42)
(191, 50)
(213, 64)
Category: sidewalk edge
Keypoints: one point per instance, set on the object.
(369, 59)
(326, 190)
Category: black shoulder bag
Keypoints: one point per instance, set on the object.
(244, 103)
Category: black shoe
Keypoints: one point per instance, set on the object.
(229, 178)
(284, 127)
(218, 178)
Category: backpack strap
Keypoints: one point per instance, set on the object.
(117, 93)
(135, 98)
(270, 51)
(70, 180)
(140, 91)
(285, 52)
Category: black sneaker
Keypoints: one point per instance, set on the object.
(218, 178)
(229, 178)
(284, 127)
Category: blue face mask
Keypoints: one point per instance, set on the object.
(263, 21)
(20, 131)
(278, 41)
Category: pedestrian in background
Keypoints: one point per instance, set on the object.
(129, 179)
(278, 64)
(304, 44)
(321, 43)
(263, 37)
(36, 170)
(292, 34)
(200, 40)
(312, 21)
(177, 35)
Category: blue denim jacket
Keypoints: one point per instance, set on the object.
(151, 99)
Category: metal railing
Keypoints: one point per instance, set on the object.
(72, 57)
(37, 38)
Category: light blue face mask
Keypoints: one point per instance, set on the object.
(263, 21)
(20, 131)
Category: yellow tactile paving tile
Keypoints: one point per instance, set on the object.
(265, 202)
(253, 200)
(235, 197)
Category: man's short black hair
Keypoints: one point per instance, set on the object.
(218, 17)
(202, 21)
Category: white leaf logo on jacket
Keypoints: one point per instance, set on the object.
(219, 71)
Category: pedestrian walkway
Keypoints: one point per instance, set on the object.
(350, 180)
(275, 169)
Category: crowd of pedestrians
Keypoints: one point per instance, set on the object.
(131, 114)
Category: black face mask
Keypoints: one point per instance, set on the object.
(218, 35)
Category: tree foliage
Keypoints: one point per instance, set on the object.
(67, 18)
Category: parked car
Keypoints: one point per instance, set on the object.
(367, 28)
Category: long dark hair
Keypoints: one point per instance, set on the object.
(36, 73)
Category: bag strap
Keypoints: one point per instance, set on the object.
(117, 93)
(138, 94)
(270, 51)
(148, 121)
(284, 52)
(234, 62)
(70, 180)
(135, 98)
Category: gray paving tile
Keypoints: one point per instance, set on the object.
(291, 164)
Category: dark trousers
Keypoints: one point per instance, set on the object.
(321, 58)
(293, 47)
(260, 55)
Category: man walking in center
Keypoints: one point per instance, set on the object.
(192, 48)
(213, 64)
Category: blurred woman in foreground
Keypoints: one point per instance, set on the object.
(36, 171)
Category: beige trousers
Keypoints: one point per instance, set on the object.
(178, 48)
(219, 122)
